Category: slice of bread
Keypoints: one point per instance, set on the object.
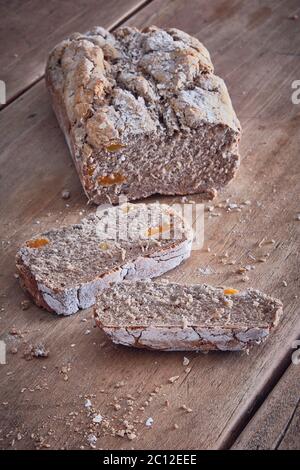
(174, 317)
(64, 269)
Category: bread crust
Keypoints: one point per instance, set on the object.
(115, 94)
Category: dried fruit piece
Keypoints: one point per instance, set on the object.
(127, 207)
(108, 180)
(230, 291)
(90, 170)
(157, 230)
(104, 246)
(37, 242)
(114, 147)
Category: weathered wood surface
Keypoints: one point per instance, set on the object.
(276, 425)
(254, 46)
(30, 29)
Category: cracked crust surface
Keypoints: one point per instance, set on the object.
(143, 113)
(64, 269)
(172, 316)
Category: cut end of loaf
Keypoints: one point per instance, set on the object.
(180, 317)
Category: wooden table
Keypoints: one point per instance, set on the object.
(237, 401)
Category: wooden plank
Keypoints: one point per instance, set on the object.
(30, 29)
(276, 425)
(254, 46)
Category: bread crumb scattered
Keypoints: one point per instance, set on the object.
(185, 361)
(92, 440)
(120, 384)
(149, 422)
(25, 304)
(65, 194)
(36, 351)
(173, 379)
(97, 418)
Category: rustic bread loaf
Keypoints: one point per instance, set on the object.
(176, 317)
(64, 269)
(143, 113)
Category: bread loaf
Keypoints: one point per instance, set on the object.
(64, 269)
(174, 317)
(143, 113)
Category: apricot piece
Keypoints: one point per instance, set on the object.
(104, 246)
(157, 230)
(113, 178)
(114, 147)
(230, 291)
(37, 243)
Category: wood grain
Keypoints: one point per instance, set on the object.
(29, 30)
(276, 425)
(254, 47)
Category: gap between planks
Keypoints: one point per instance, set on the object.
(256, 404)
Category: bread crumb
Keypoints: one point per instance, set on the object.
(92, 440)
(173, 379)
(97, 418)
(25, 304)
(120, 384)
(185, 361)
(240, 270)
(284, 283)
(36, 351)
(65, 194)
(149, 422)
(206, 271)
